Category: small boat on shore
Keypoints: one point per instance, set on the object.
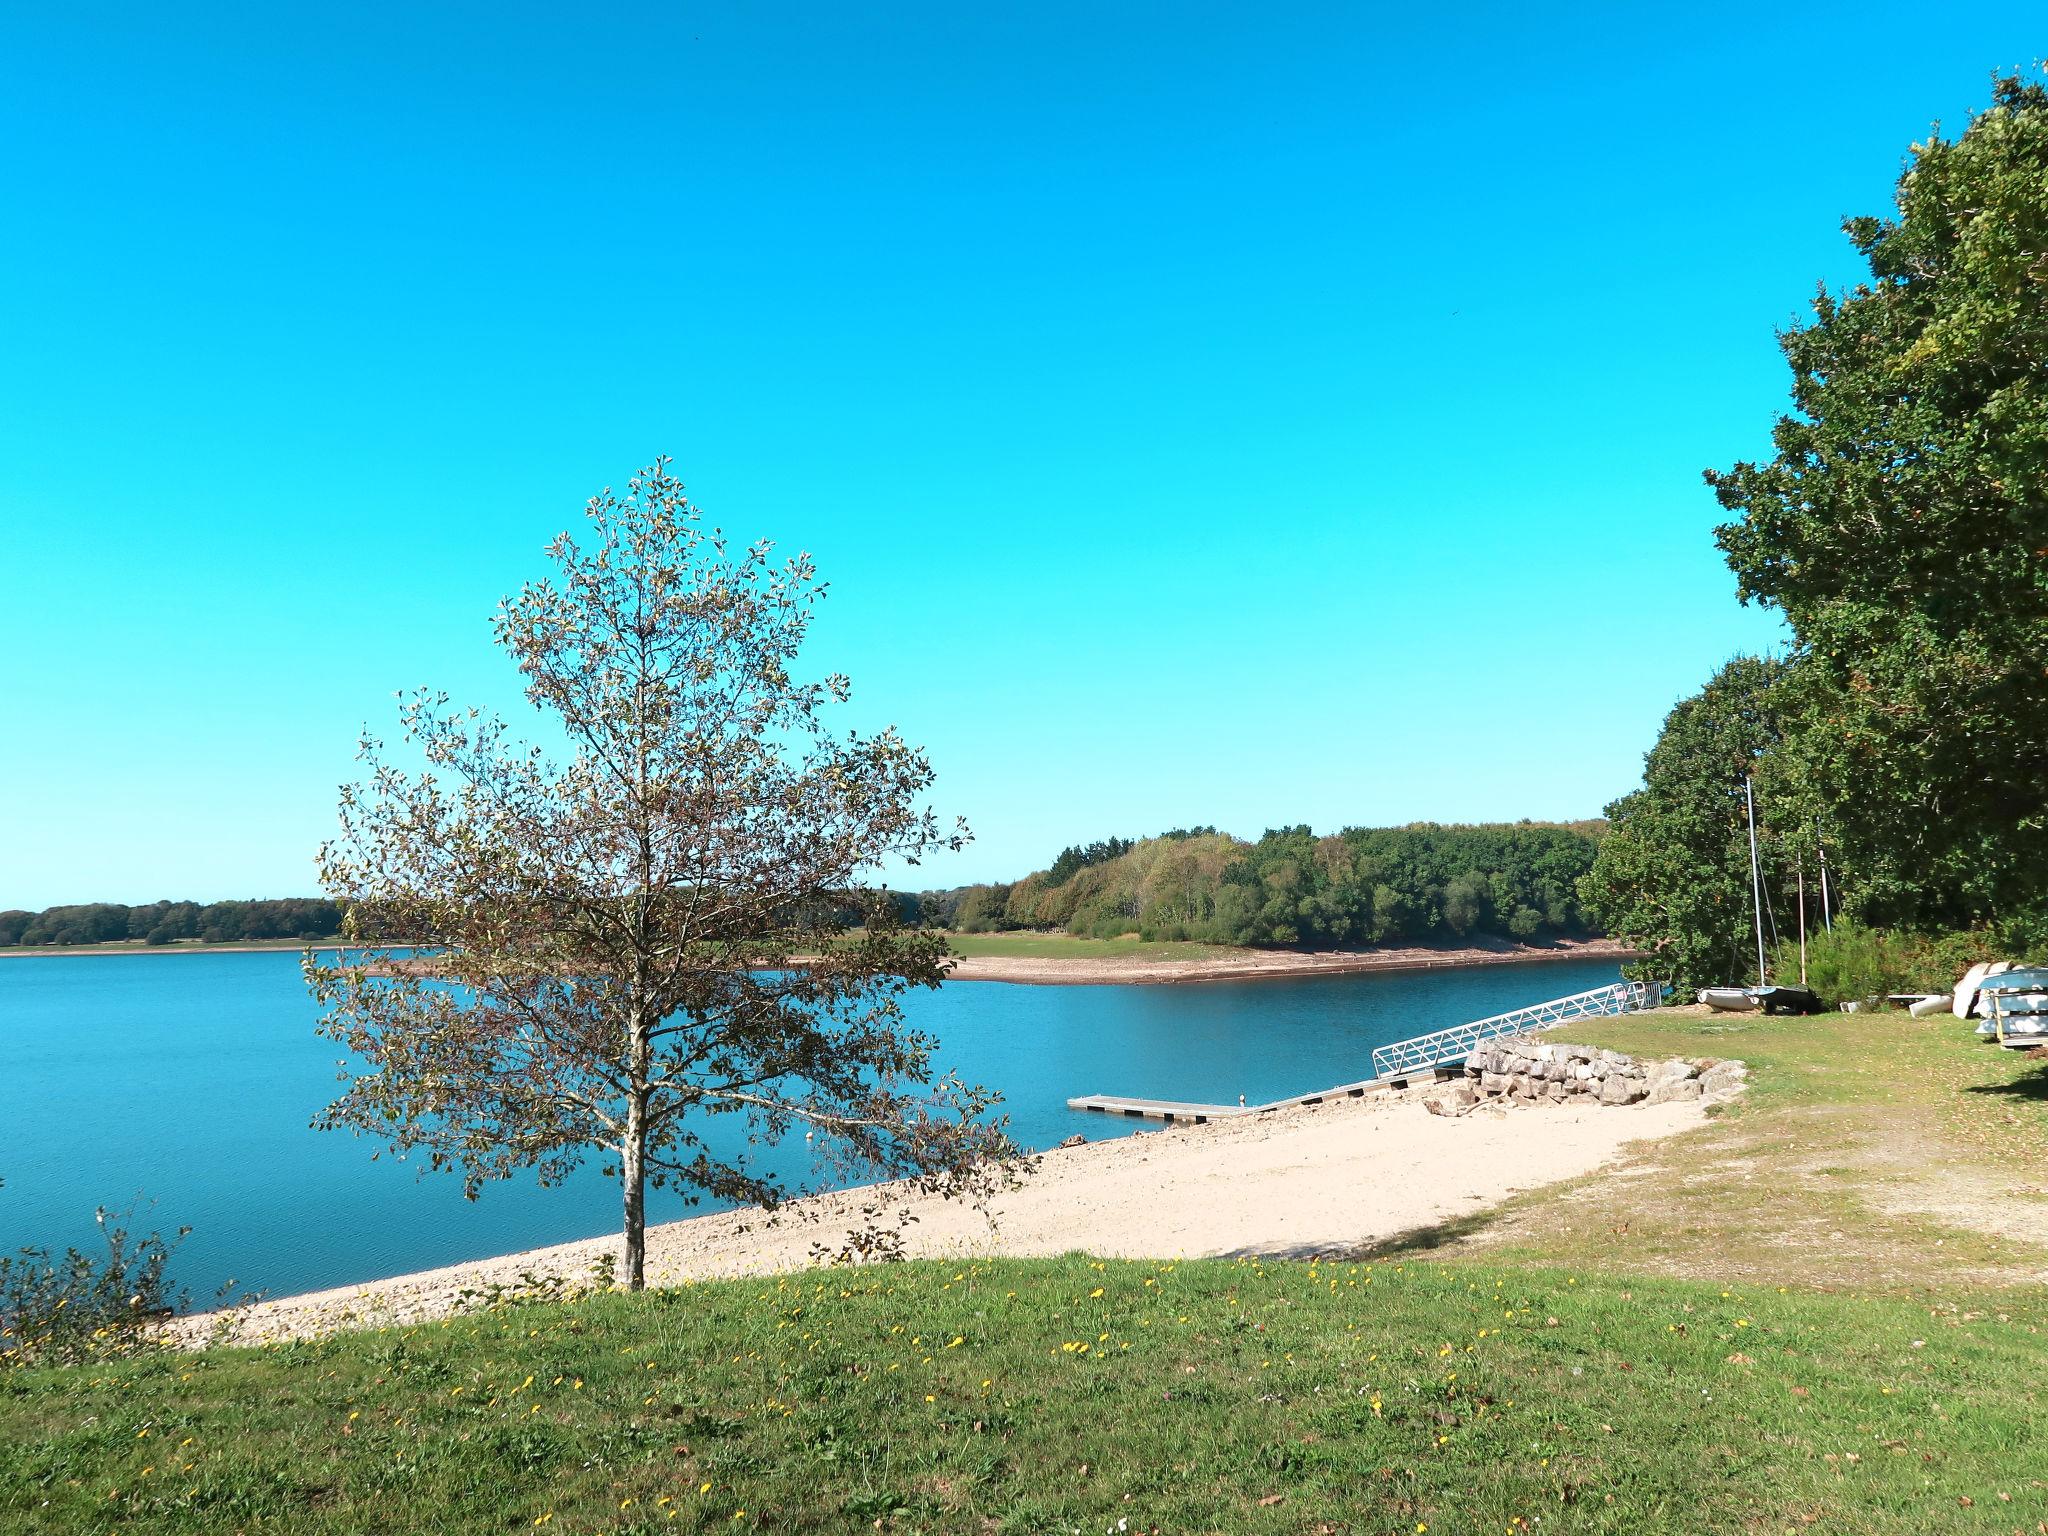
(1731, 999)
(1764, 997)
(1966, 999)
(1768, 999)
(1789, 1000)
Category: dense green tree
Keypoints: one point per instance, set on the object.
(1902, 528)
(1672, 876)
(1464, 905)
(1073, 860)
(982, 909)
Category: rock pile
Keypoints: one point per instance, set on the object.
(1554, 1072)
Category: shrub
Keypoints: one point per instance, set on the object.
(1855, 963)
(1937, 963)
(75, 1307)
(1851, 964)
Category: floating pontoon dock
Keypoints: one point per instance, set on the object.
(1421, 1059)
(1174, 1113)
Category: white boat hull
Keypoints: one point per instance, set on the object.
(1730, 999)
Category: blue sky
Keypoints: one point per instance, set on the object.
(1234, 414)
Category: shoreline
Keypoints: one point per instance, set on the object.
(1267, 965)
(106, 951)
(1346, 1177)
(1049, 970)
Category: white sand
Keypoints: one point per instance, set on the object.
(1326, 1180)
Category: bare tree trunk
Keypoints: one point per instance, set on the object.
(633, 1174)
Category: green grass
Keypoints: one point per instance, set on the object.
(1873, 1152)
(1818, 1312)
(1067, 1396)
(1061, 946)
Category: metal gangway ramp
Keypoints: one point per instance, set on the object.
(1450, 1047)
(1396, 1064)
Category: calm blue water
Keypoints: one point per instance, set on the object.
(189, 1081)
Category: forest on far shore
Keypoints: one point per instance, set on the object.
(171, 922)
(1366, 885)
(1422, 883)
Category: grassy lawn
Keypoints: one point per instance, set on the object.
(1874, 1152)
(1822, 1311)
(1070, 1395)
(1060, 946)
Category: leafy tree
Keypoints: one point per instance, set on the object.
(1464, 903)
(1672, 875)
(1072, 860)
(1902, 528)
(649, 935)
(983, 909)
(1393, 912)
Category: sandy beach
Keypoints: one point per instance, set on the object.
(1338, 1178)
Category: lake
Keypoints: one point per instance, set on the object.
(189, 1081)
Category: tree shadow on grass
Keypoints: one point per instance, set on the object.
(1408, 1244)
(2033, 1087)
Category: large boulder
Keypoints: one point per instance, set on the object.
(1618, 1089)
(1724, 1079)
(1556, 1072)
(1672, 1090)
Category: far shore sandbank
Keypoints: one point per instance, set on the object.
(1269, 964)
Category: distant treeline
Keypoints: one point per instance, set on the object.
(166, 922)
(1365, 885)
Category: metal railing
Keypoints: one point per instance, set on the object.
(1446, 1046)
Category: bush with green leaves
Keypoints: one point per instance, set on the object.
(75, 1306)
(1851, 964)
(1858, 964)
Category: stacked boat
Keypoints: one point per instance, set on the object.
(2013, 1001)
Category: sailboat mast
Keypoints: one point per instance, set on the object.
(1827, 920)
(1756, 880)
(1802, 919)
